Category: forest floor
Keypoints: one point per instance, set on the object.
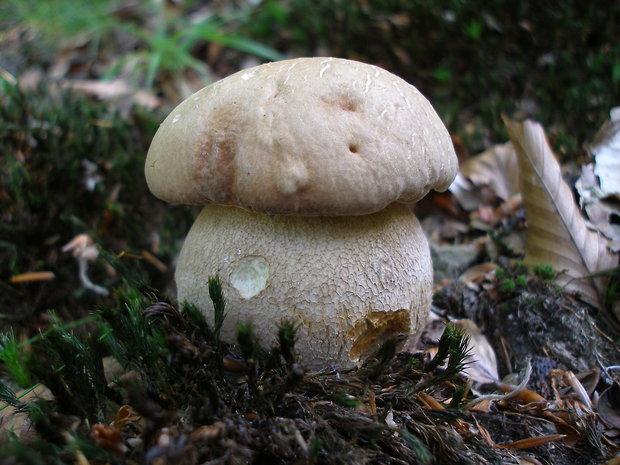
(519, 362)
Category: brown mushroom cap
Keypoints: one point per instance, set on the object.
(310, 136)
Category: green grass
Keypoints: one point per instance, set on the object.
(154, 39)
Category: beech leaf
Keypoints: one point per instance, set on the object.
(606, 149)
(557, 234)
(531, 442)
(483, 362)
(496, 167)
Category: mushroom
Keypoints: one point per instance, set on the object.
(305, 168)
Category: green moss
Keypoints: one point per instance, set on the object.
(508, 285)
(521, 281)
(72, 165)
(172, 376)
(545, 272)
(14, 359)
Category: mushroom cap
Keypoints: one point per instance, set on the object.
(348, 283)
(309, 136)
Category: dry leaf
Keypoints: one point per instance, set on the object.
(523, 396)
(16, 421)
(32, 277)
(234, 365)
(531, 442)
(483, 406)
(572, 435)
(117, 89)
(520, 444)
(557, 234)
(602, 210)
(581, 393)
(467, 195)
(372, 402)
(609, 406)
(599, 183)
(493, 173)
(109, 438)
(125, 414)
(479, 273)
(429, 401)
(207, 433)
(606, 150)
(483, 366)
(495, 168)
(153, 260)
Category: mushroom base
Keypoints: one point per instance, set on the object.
(348, 282)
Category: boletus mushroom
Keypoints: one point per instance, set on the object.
(305, 168)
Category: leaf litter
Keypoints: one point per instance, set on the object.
(233, 406)
(599, 183)
(557, 234)
(175, 399)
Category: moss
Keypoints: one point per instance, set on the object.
(173, 378)
(72, 165)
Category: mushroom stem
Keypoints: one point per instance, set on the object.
(349, 282)
(85, 280)
(84, 251)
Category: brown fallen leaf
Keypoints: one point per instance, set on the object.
(531, 442)
(234, 365)
(153, 260)
(605, 149)
(207, 433)
(524, 396)
(125, 414)
(483, 362)
(483, 406)
(117, 89)
(609, 406)
(478, 273)
(557, 234)
(16, 421)
(487, 176)
(520, 444)
(496, 168)
(109, 438)
(32, 277)
(572, 434)
(429, 401)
